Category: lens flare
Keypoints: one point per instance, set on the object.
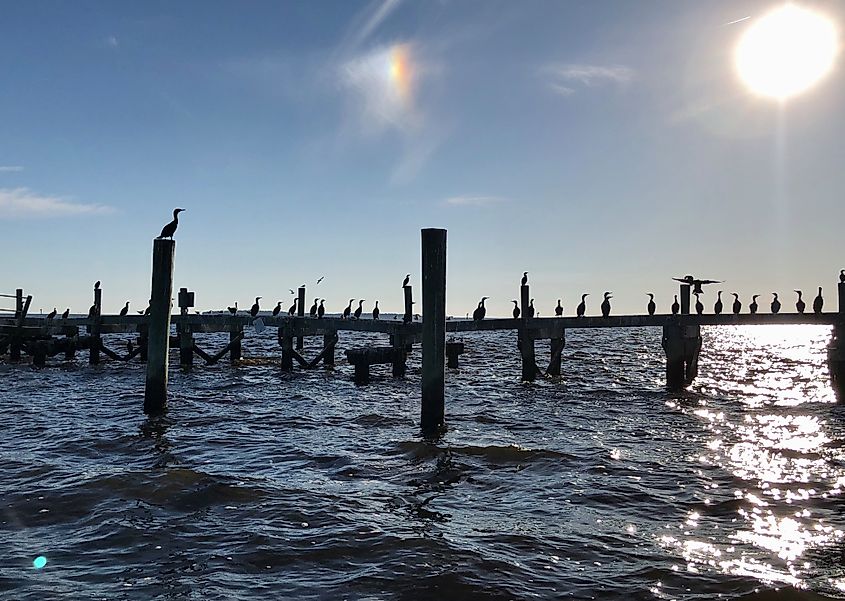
(39, 562)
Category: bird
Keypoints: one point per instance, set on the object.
(737, 306)
(291, 291)
(406, 280)
(313, 310)
(97, 285)
(168, 230)
(818, 302)
(524, 278)
(321, 310)
(481, 310)
(66, 313)
(255, 308)
(676, 307)
(800, 305)
(348, 310)
(292, 308)
(582, 307)
(529, 312)
(753, 306)
(775, 303)
(92, 312)
(52, 313)
(605, 305)
(233, 310)
(842, 276)
(696, 284)
(651, 306)
(699, 307)
(277, 309)
(516, 310)
(125, 309)
(359, 310)
(320, 279)
(559, 309)
(150, 307)
(376, 311)
(717, 308)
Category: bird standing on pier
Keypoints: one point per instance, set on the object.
(480, 311)
(52, 313)
(277, 309)
(529, 312)
(125, 309)
(406, 280)
(292, 308)
(699, 306)
(321, 310)
(605, 305)
(348, 310)
(651, 306)
(255, 308)
(737, 306)
(359, 310)
(800, 305)
(752, 308)
(676, 306)
(696, 284)
(524, 278)
(717, 308)
(559, 309)
(818, 302)
(516, 312)
(168, 230)
(376, 312)
(66, 313)
(313, 310)
(775, 303)
(582, 306)
(233, 310)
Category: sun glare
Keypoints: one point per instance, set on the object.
(786, 51)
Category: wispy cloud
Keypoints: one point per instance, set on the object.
(566, 79)
(24, 203)
(473, 201)
(367, 22)
(10, 168)
(112, 41)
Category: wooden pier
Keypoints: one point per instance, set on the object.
(41, 338)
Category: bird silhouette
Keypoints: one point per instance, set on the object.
(376, 311)
(321, 310)
(529, 311)
(696, 284)
(676, 306)
(255, 308)
(97, 285)
(277, 309)
(66, 313)
(582, 306)
(737, 306)
(480, 311)
(516, 312)
(699, 307)
(313, 310)
(320, 279)
(818, 302)
(717, 308)
(233, 310)
(524, 281)
(752, 308)
(348, 310)
(359, 310)
(605, 305)
(406, 280)
(800, 305)
(52, 313)
(651, 306)
(292, 308)
(775, 303)
(168, 230)
(125, 309)
(559, 309)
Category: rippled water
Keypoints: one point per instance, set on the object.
(264, 485)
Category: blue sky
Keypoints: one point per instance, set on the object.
(600, 146)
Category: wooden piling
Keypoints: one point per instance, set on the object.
(329, 343)
(432, 417)
(400, 353)
(408, 292)
(524, 301)
(236, 334)
(186, 335)
(682, 345)
(286, 342)
(685, 299)
(158, 336)
(557, 345)
(528, 354)
(836, 349)
(18, 302)
(453, 351)
(300, 312)
(21, 309)
(94, 328)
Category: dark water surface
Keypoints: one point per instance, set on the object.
(262, 485)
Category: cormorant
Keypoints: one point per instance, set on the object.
(753, 306)
(717, 308)
(524, 278)
(348, 310)
(582, 307)
(66, 313)
(699, 307)
(233, 310)
(277, 309)
(696, 284)
(150, 307)
(292, 308)
(406, 280)
(313, 310)
(321, 310)
(737, 306)
(168, 230)
(818, 302)
(559, 309)
(651, 306)
(605, 305)
(92, 312)
(52, 313)
(775, 303)
(800, 305)
(842, 276)
(359, 310)
(97, 285)
(481, 310)
(376, 311)
(516, 310)
(125, 309)
(529, 312)
(676, 306)
(255, 308)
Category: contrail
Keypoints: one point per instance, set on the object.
(737, 21)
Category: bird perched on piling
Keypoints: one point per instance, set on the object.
(559, 309)
(359, 310)
(676, 306)
(524, 281)
(52, 313)
(651, 306)
(66, 313)
(775, 303)
(313, 310)
(376, 312)
(168, 230)
(292, 308)
(480, 311)
(406, 280)
(582, 306)
(842, 276)
(752, 308)
(529, 311)
(348, 310)
(255, 308)
(699, 306)
(696, 284)
(233, 310)
(97, 285)
(800, 305)
(125, 309)
(516, 312)
(277, 309)
(321, 310)
(605, 305)
(737, 306)
(717, 308)
(818, 302)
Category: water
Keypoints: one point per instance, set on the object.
(263, 485)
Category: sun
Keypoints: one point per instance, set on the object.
(786, 51)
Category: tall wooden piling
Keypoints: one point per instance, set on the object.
(836, 349)
(235, 337)
(557, 344)
(300, 312)
(286, 341)
(94, 328)
(186, 335)
(685, 299)
(18, 302)
(525, 341)
(408, 292)
(158, 333)
(432, 417)
(329, 343)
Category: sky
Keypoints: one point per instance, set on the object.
(601, 146)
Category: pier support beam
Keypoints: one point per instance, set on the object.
(94, 328)
(286, 341)
(329, 343)
(432, 417)
(557, 345)
(300, 312)
(400, 354)
(682, 345)
(235, 337)
(408, 316)
(525, 342)
(155, 392)
(186, 335)
(836, 350)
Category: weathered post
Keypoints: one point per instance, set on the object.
(432, 416)
(525, 339)
(329, 344)
(836, 349)
(409, 303)
(158, 331)
(300, 312)
(682, 345)
(15, 341)
(557, 345)
(18, 302)
(143, 341)
(286, 340)
(235, 336)
(94, 328)
(186, 335)
(685, 299)
(399, 355)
